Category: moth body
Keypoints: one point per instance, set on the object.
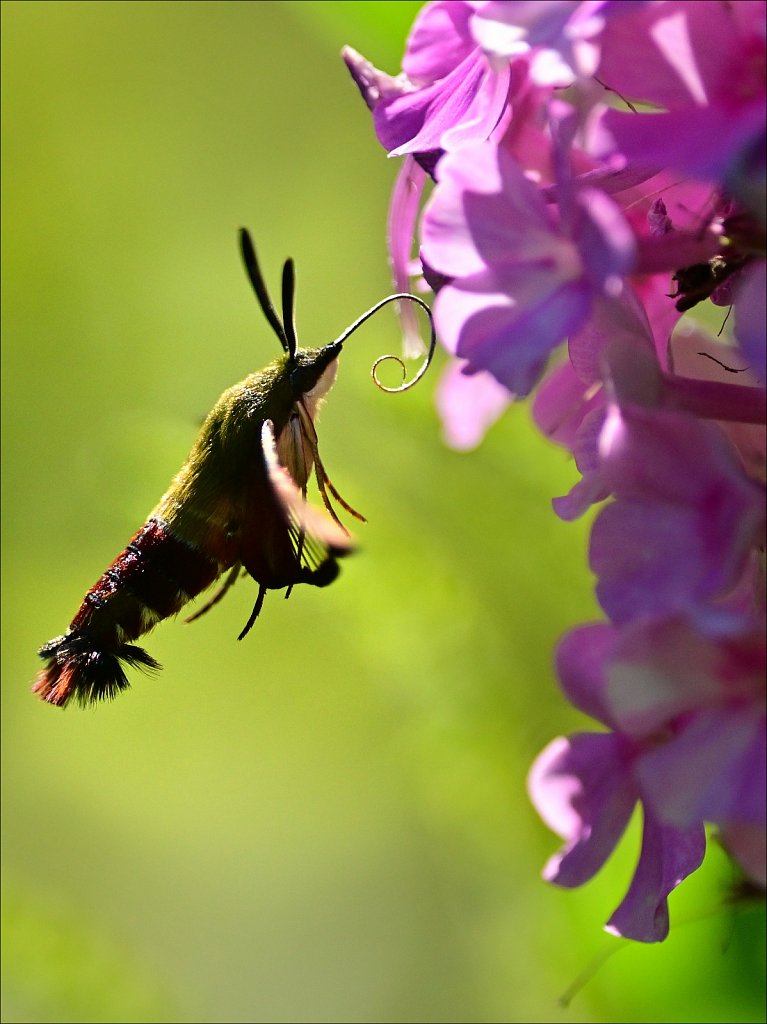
(221, 512)
(237, 505)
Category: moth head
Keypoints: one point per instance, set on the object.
(312, 371)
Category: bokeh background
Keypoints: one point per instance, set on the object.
(328, 821)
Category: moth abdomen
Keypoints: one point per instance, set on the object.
(80, 665)
(152, 578)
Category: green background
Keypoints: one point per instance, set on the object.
(327, 822)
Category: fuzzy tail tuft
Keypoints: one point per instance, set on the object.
(76, 666)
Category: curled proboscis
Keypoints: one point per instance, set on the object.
(407, 384)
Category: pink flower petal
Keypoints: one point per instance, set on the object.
(668, 856)
(469, 405)
(580, 788)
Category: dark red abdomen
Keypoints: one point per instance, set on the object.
(153, 578)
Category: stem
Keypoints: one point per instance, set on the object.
(714, 400)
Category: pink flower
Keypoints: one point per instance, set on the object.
(617, 354)
(683, 522)
(703, 702)
(561, 39)
(665, 54)
(448, 95)
(520, 281)
(585, 788)
(559, 218)
(469, 405)
(687, 740)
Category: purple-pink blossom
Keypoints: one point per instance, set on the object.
(447, 94)
(586, 788)
(702, 65)
(686, 740)
(520, 280)
(594, 177)
(683, 521)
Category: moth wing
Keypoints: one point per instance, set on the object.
(315, 536)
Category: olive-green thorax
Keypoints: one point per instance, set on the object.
(226, 465)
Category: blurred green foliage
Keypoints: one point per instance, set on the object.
(327, 822)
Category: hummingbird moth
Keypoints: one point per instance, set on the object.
(237, 505)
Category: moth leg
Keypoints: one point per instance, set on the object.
(344, 504)
(320, 473)
(256, 609)
(229, 582)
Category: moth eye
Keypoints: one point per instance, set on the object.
(232, 528)
(299, 380)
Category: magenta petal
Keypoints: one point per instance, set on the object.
(439, 40)
(558, 35)
(663, 53)
(604, 239)
(372, 83)
(668, 856)
(581, 658)
(560, 404)
(518, 288)
(581, 789)
(665, 56)
(403, 213)
(587, 492)
(714, 770)
(592, 488)
(662, 670)
(416, 121)
(510, 337)
(647, 565)
(619, 321)
(682, 139)
(485, 115)
(469, 405)
(684, 519)
(484, 212)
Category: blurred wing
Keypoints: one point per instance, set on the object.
(313, 534)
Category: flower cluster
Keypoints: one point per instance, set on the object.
(598, 170)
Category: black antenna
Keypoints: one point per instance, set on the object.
(259, 287)
(289, 307)
(286, 330)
